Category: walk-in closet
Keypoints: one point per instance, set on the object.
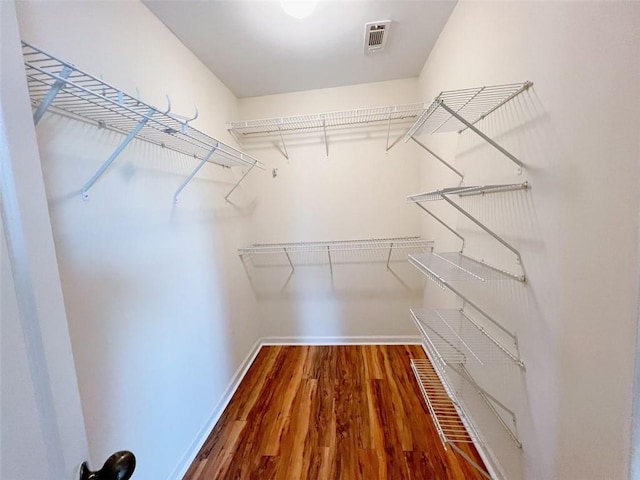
(319, 240)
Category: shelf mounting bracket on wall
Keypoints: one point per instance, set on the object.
(439, 158)
(326, 143)
(445, 225)
(483, 136)
(55, 88)
(116, 153)
(238, 182)
(193, 174)
(284, 145)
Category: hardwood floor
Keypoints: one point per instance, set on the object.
(336, 412)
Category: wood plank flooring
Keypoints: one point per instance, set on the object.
(329, 412)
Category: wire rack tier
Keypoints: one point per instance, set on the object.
(455, 345)
(464, 191)
(471, 104)
(301, 253)
(458, 110)
(346, 118)
(61, 87)
(455, 337)
(454, 266)
(323, 122)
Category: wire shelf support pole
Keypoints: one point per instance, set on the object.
(193, 174)
(445, 225)
(326, 143)
(482, 135)
(293, 269)
(55, 88)
(238, 182)
(491, 402)
(439, 158)
(486, 229)
(284, 145)
(116, 153)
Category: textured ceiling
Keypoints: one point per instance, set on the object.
(255, 48)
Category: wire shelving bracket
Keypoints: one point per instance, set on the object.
(58, 86)
(463, 191)
(378, 244)
(458, 110)
(323, 122)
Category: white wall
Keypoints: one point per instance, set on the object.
(357, 192)
(160, 311)
(577, 133)
(42, 432)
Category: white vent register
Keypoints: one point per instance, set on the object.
(375, 36)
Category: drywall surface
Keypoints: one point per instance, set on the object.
(160, 312)
(576, 131)
(42, 428)
(358, 191)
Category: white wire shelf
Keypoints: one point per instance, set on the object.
(323, 122)
(456, 337)
(462, 191)
(457, 110)
(318, 121)
(340, 251)
(454, 266)
(448, 414)
(63, 88)
(456, 345)
(472, 104)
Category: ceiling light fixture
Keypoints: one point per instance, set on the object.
(298, 8)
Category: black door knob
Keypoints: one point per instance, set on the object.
(119, 466)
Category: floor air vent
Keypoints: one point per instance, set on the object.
(375, 36)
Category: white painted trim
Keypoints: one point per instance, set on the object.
(190, 455)
(358, 340)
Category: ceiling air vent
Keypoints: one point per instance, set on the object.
(375, 36)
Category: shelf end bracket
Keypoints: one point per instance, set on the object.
(491, 142)
(51, 95)
(193, 173)
(439, 158)
(115, 154)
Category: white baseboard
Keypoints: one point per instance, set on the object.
(187, 459)
(356, 340)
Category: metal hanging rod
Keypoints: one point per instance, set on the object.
(462, 191)
(63, 88)
(321, 122)
(457, 110)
